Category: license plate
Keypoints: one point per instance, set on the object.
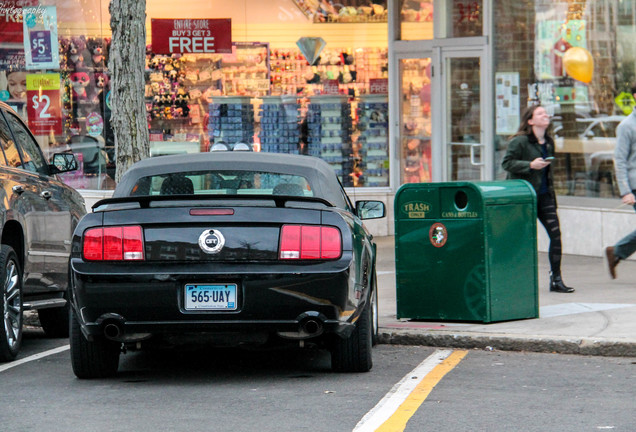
(210, 297)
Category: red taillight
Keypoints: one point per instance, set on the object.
(309, 242)
(124, 243)
(93, 244)
(113, 244)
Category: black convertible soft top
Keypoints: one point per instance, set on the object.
(320, 175)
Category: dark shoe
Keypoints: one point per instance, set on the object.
(612, 261)
(557, 285)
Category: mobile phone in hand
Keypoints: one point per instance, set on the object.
(549, 158)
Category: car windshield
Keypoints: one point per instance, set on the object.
(233, 182)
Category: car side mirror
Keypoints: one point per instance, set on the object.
(370, 209)
(64, 162)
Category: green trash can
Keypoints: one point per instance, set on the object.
(466, 251)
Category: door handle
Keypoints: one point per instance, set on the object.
(473, 159)
(45, 194)
(19, 189)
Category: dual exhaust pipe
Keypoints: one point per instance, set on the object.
(310, 325)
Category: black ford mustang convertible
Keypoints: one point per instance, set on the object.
(228, 249)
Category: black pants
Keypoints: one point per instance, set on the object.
(547, 214)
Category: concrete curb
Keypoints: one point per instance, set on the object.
(506, 342)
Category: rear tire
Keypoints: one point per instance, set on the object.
(92, 359)
(375, 315)
(354, 353)
(11, 280)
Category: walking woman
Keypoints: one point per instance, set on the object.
(529, 156)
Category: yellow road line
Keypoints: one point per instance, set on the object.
(397, 422)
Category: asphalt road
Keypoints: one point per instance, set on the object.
(283, 390)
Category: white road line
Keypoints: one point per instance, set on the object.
(398, 394)
(34, 357)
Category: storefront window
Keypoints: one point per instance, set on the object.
(463, 118)
(53, 72)
(281, 93)
(416, 20)
(415, 133)
(465, 18)
(274, 85)
(577, 59)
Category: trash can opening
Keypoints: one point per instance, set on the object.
(461, 200)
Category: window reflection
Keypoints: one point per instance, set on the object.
(587, 97)
(416, 20)
(415, 133)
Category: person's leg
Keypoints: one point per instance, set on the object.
(620, 251)
(625, 246)
(547, 214)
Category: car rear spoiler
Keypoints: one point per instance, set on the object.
(144, 200)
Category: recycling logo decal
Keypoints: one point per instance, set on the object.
(438, 235)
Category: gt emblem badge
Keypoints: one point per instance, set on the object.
(211, 241)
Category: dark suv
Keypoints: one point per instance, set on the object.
(37, 217)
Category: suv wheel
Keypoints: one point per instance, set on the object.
(11, 279)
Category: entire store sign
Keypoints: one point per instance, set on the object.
(185, 36)
(43, 103)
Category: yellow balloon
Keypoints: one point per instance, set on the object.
(579, 64)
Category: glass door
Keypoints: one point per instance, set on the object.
(462, 81)
(415, 120)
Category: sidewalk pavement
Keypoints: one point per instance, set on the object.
(599, 318)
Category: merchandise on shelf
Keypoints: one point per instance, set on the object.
(280, 132)
(373, 141)
(179, 89)
(231, 120)
(329, 134)
(86, 83)
(352, 69)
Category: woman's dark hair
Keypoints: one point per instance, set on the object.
(525, 128)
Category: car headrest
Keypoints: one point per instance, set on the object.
(288, 189)
(177, 185)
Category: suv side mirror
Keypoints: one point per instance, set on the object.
(370, 209)
(63, 162)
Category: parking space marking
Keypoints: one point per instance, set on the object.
(400, 403)
(34, 357)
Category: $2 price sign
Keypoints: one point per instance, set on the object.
(43, 104)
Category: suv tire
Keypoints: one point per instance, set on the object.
(11, 285)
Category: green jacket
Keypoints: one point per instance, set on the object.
(522, 150)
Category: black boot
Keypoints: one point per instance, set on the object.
(557, 285)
